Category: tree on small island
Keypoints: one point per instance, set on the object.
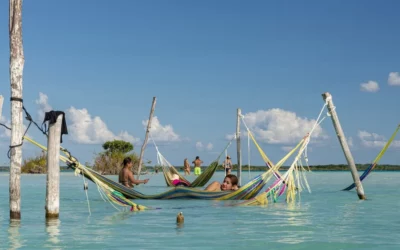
(109, 162)
(35, 165)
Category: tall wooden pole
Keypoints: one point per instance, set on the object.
(343, 142)
(239, 150)
(16, 71)
(153, 105)
(53, 170)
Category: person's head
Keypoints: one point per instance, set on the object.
(228, 157)
(197, 157)
(127, 161)
(230, 182)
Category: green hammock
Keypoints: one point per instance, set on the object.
(201, 180)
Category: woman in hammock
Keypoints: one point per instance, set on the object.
(230, 183)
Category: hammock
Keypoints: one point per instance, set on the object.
(201, 180)
(375, 162)
(120, 194)
(284, 182)
(248, 191)
(106, 191)
(291, 181)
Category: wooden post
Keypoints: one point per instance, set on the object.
(16, 72)
(239, 150)
(153, 105)
(53, 170)
(343, 142)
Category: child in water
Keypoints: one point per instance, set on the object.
(230, 183)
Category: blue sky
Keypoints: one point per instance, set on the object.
(102, 63)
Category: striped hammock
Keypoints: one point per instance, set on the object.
(376, 161)
(248, 191)
(106, 191)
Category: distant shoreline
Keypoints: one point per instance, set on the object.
(330, 167)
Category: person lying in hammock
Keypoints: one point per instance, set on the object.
(178, 182)
(230, 183)
(126, 177)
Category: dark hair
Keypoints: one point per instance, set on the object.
(234, 179)
(126, 161)
(197, 157)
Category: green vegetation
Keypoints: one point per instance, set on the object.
(110, 160)
(35, 165)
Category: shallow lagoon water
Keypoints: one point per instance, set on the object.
(325, 219)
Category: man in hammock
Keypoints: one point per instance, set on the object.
(126, 177)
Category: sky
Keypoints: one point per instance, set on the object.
(102, 62)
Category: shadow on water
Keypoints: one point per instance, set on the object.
(53, 233)
(14, 235)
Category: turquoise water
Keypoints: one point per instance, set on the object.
(325, 219)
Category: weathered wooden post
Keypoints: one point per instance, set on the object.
(239, 150)
(153, 105)
(53, 170)
(16, 72)
(343, 142)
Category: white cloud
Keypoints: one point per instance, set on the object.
(201, 147)
(277, 126)
(161, 133)
(5, 133)
(230, 136)
(370, 86)
(373, 140)
(394, 79)
(43, 104)
(87, 130)
(350, 142)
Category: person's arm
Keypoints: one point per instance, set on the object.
(134, 181)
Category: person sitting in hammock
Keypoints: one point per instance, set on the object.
(176, 181)
(230, 183)
(126, 177)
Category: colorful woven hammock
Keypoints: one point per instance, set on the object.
(376, 161)
(106, 191)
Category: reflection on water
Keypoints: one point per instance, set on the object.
(116, 217)
(53, 233)
(14, 236)
(326, 219)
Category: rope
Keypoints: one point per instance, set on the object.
(248, 154)
(85, 187)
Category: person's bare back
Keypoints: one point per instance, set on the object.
(197, 162)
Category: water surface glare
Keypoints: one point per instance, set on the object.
(325, 219)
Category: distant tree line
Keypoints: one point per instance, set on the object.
(109, 162)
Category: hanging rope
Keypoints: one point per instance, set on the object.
(248, 154)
